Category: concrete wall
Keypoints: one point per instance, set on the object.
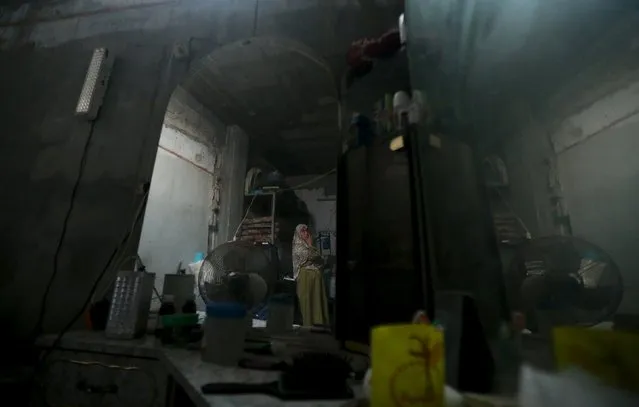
(41, 149)
(596, 156)
(46, 48)
(180, 206)
(197, 188)
(230, 145)
(194, 120)
(319, 197)
(527, 156)
(584, 156)
(320, 206)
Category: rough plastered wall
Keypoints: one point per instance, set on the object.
(42, 146)
(190, 117)
(584, 152)
(596, 158)
(197, 187)
(179, 213)
(320, 199)
(180, 208)
(320, 206)
(45, 50)
(527, 154)
(231, 146)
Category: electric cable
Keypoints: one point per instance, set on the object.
(56, 257)
(244, 218)
(123, 257)
(143, 269)
(118, 264)
(123, 242)
(309, 182)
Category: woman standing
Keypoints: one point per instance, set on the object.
(307, 270)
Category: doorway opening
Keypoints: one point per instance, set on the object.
(261, 105)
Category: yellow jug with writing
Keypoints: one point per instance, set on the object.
(408, 366)
(612, 356)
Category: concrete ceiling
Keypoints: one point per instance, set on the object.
(281, 93)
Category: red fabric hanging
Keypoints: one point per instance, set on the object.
(363, 52)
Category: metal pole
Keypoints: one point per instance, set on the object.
(273, 201)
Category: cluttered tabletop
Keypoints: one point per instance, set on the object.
(193, 374)
(187, 369)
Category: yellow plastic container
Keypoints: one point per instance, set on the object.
(612, 356)
(408, 366)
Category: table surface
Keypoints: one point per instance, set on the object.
(187, 369)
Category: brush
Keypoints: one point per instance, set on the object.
(311, 376)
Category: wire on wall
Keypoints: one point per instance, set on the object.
(65, 224)
(117, 250)
(312, 181)
(245, 216)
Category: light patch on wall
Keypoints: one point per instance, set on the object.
(607, 113)
(185, 114)
(320, 207)
(180, 206)
(192, 151)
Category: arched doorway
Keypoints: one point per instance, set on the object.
(270, 102)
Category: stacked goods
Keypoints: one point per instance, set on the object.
(258, 229)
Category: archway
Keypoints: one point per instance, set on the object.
(261, 101)
(280, 92)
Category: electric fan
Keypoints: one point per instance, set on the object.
(237, 271)
(563, 280)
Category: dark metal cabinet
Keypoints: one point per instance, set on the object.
(377, 281)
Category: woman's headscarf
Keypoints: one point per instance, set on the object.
(305, 255)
